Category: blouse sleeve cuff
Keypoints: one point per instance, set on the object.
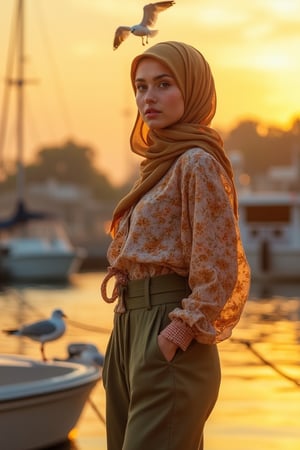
(178, 333)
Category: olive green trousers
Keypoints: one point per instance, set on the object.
(152, 404)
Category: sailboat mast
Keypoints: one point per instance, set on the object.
(20, 101)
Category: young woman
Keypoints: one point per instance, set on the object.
(182, 278)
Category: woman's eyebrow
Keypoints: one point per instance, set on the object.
(157, 77)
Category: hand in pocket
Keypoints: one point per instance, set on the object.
(167, 348)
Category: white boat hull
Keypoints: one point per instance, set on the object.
(40, 403)
(38, 251)
(40, 267)
(270, 230)
(281, 265)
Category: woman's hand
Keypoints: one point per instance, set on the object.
(167, 347)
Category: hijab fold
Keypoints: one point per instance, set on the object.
(161, 147)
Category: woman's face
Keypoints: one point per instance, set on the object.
(158, 97)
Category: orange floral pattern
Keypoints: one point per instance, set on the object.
(186, 225)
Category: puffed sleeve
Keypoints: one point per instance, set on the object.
(218, 270)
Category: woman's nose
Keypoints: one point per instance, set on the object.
(150, 97)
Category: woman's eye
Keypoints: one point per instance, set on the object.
(141, 87)
(164, 84)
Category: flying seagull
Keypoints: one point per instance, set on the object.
(44, 330)
(142, 29)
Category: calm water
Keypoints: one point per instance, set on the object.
(257, 408)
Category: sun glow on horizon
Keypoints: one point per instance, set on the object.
(252, 48)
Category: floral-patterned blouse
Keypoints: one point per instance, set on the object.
(185, 224)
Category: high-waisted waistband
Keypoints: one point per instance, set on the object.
(153, 291)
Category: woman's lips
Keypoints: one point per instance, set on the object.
(150, 113)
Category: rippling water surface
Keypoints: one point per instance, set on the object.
(259, 402)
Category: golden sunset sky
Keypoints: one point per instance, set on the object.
(82, 88)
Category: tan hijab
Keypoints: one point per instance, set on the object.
(161, 147)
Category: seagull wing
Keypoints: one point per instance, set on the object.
(38, 329)
(151, 12)
(120, 35)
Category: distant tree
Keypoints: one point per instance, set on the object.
(295, 129)
(245, 139)
(261, 147)
(70, 163)
(264, 147)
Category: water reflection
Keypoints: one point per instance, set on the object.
(257, 407)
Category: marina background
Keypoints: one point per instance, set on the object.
(257, 407)
(66, 175)
(78, 118)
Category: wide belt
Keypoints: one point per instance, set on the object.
(153, 291)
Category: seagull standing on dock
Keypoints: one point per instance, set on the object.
(44, 330)
(142, 29)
